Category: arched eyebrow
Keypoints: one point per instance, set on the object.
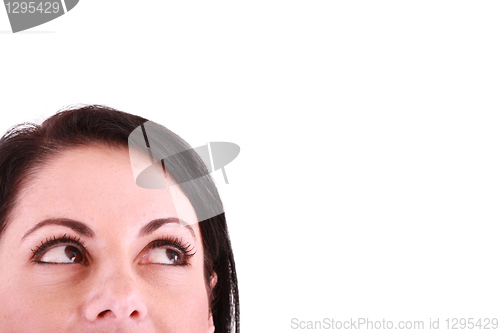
(79, 227)
(158, 223)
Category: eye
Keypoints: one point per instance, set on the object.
(168, 252)
(165, 256)
(67, 254)
(63, 250)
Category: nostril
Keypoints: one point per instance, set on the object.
(115, 306)
(107, 313)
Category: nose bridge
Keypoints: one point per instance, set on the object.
(115, 294)
(119, 284)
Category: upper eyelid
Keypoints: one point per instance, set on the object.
(54, 241)
(176, 242)
(59, 240)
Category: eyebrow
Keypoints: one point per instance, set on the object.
(79, 227)
(83, 230)
(158, 223)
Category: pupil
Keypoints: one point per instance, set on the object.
(172, 255)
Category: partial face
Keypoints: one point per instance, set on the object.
(87, 250)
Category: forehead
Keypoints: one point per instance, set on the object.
(97, 184)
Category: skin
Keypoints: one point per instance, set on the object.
(124, 286)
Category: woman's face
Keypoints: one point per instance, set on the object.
(87, 250)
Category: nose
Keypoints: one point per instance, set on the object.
(115, 298)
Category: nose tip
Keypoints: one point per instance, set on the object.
(103, 310)
(129, 311)
(116, 299)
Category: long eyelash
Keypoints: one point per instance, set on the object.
(48, 242)
(186, 248)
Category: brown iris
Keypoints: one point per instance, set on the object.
(73, 254)
(173, 256)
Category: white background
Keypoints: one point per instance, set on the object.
(368, 179)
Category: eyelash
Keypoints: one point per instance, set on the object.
(185, 249)
(49, 242)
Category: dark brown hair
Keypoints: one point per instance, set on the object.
(26, 147)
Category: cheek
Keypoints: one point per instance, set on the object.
(35, 309)
(179, 304)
